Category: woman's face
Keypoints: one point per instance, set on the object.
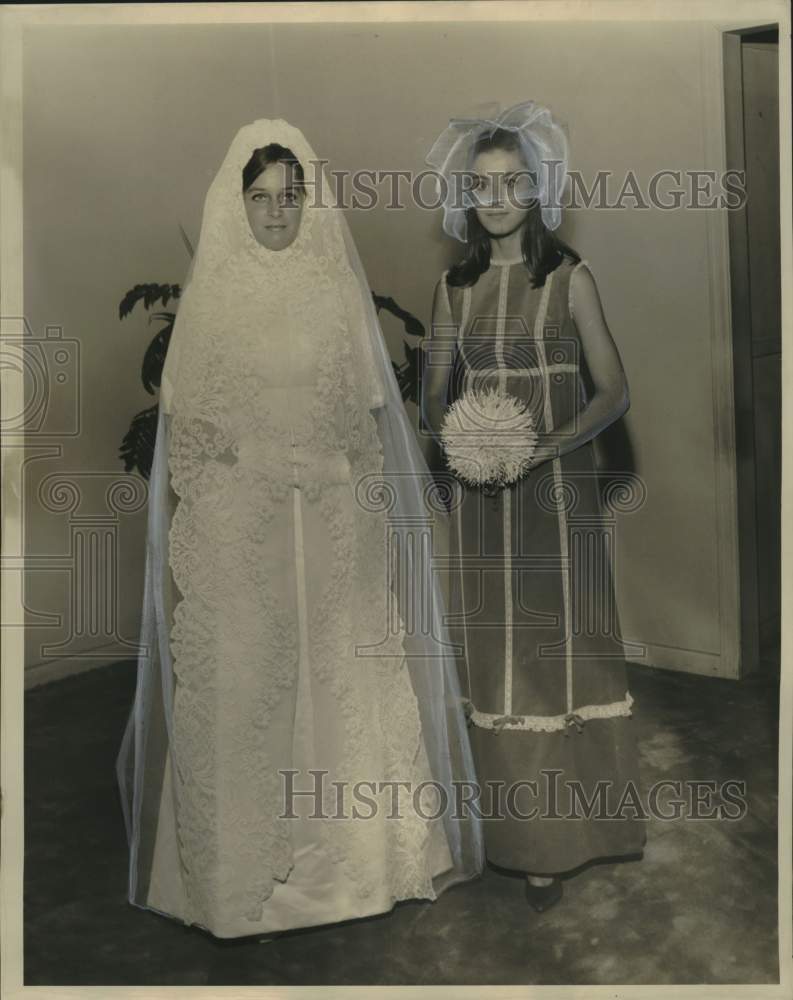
(500, 185)
(274, 206)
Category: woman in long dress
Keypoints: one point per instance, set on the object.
(279, 690)
(519, 317)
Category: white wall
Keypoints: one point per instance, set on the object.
(124, 129)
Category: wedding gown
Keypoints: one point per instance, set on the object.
(275, 639)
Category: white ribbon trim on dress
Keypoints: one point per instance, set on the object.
(551, 723)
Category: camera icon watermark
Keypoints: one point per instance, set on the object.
(65, 552)
(49, 369)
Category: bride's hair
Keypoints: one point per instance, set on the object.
(263, 157)
(542, 251)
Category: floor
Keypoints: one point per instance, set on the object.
(700, 907)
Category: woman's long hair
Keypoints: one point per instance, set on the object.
(542, 251)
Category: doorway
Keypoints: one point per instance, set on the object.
(751, 59)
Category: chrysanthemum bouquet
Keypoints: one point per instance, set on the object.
(489, 438)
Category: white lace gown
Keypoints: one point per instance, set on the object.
(279, 572)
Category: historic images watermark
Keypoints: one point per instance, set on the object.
(412, 555)
(667, 190)
(548, 798)
(87, 508)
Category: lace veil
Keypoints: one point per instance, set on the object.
(208, 382)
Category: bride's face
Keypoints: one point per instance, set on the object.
(274, 206)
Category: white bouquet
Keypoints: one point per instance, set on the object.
(489, 437)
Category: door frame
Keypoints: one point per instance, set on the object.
(741, 342)
(727, 263)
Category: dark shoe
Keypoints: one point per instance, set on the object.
(543, 897)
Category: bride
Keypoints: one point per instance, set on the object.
(281, 696)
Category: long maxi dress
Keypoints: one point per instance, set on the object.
(532, 598)
(267, 675)
(279, 633)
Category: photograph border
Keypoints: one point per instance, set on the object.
(18, 19)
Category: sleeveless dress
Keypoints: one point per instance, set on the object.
(532, 600)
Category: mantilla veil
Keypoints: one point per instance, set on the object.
(290, 511)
